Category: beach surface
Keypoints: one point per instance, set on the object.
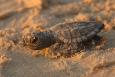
(20, 16)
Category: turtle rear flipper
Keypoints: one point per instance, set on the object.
(96, 42)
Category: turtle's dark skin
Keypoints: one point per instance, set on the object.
(65, 37)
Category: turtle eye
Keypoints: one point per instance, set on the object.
(33, 40)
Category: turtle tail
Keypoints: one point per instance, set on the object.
(100, 26)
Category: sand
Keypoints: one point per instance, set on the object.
(19, 61)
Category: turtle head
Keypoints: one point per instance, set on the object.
(28, 39)
(38, 40)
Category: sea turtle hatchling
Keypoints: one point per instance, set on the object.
(65, 37)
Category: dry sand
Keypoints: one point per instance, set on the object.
(17, 61)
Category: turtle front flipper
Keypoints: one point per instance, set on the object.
(39, 40)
